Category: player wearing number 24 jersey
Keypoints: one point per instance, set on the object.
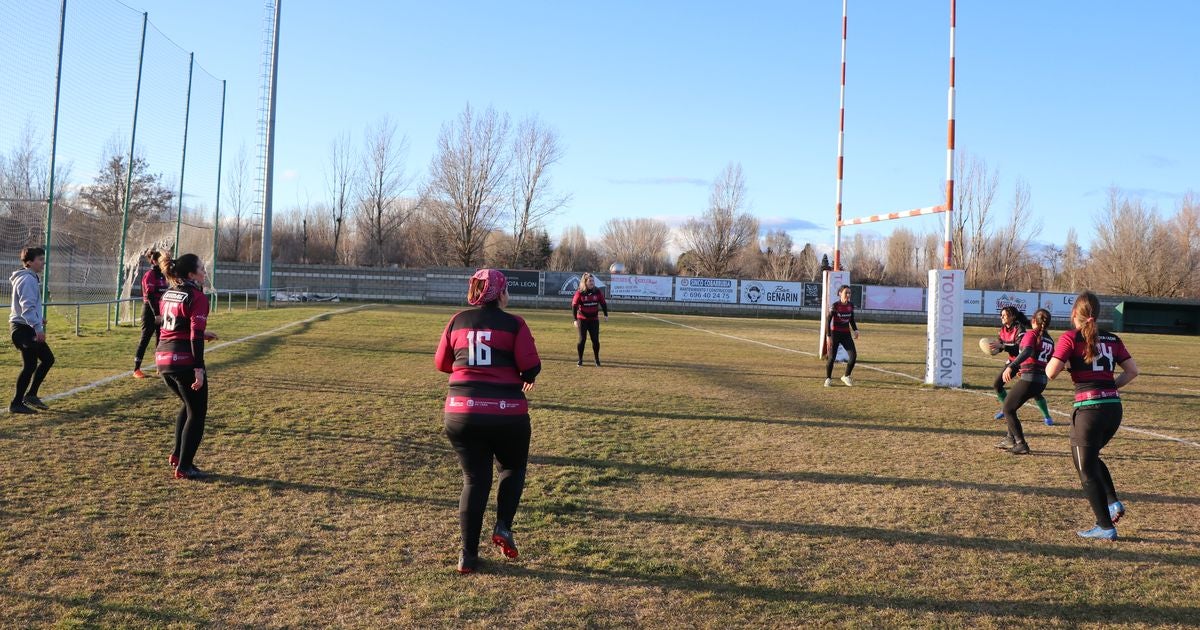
(492, 362)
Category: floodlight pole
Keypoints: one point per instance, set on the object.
(264, 270)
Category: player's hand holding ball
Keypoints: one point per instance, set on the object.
(989, 346)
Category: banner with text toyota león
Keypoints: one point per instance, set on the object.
(641, 287)
(722, 290)
(771, 292)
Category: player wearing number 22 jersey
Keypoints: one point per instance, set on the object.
(492, 362)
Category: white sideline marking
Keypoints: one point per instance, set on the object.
(900, 374)
(116, 377)
(1194, 391)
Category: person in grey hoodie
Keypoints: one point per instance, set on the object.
(29, 330)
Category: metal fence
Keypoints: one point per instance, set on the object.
(110, 143)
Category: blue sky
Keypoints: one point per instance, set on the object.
(652, 98)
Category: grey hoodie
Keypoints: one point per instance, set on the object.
(26, 300)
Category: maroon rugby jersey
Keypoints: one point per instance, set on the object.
(841, 317)
(154, 284)
(1094, 381)
(587, 304)
(489, 355)
(1010, 339)
(1042, 347)
(181, 338)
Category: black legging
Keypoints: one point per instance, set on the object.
(846, 340)
(586, 327)
(1091, 428)
(1021, 392)
(189, 423)
(476, 445)
(36, 361)
(150, 328)
(998, 385)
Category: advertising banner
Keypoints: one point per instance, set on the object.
(972, 301)
(721, 290)
(566, 283)
(771, 292)
(893, 298)
(944, 352)
(812, 295)
(993, 301)
(522, 282)
(641, 287)
(1059, 305)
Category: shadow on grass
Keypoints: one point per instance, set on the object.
(819, 424)
(842, 478)
(450, 503)
(1039, 611)
(99, 604)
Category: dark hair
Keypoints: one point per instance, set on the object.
(153, 255)
(1016, 315)
(30, 254)
(1042, 318)
(1087, 306)
(177, 270)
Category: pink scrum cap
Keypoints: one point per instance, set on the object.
(494, 283)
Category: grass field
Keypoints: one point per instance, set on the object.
(697, 480)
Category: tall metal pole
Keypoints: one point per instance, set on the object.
(212, 273)
(187, 113)
(62, 30)
(948, 262)
(137, 97)
(837, 225)
(264, 270)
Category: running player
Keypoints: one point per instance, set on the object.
(154, 284)
(841, 323)
(29, 331)
(1029, 369)
(1013, 324)
(180, 356)
(492, 361)
(585, 310)
(1091, 355)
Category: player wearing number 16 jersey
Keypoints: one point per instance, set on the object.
(492, 362)
(1092, 355)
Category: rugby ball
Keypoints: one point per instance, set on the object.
(989, 346)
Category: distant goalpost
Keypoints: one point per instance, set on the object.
(943, 358)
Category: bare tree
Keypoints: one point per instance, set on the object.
(864, 259)
(808, 265)
(24, 190)
(535, 148)
(974, 193)
(148, 197)
(639, 244)
(339, 183)
(381, 212)
(900, 263)
(236, 219)
(716, 239)
(573, 252)
(779, 261)
(1012, 243)
(467, 178)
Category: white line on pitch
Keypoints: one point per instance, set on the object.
(1194, 391)
(900, 374)
(116, 377)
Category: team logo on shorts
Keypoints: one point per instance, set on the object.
(502, 405)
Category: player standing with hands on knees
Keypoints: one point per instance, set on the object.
(492, 362)
(29, 331)
(180, 356)
(1091, 355)
(585, 310)
(841, 323)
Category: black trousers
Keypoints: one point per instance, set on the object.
(998, 385)
(845, 340)
(1091, 429)
(1021, 392)
(189, 423)
(589, 327)
(150, 328)
(476, 446)
(36, 360)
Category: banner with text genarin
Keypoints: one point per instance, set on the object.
(771, 292)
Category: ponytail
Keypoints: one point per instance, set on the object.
(1042, 318)
(475, 290)
(176, 271)
(1087, 306)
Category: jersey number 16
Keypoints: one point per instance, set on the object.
(479, 353)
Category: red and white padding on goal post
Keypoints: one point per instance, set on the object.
(894, 215)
